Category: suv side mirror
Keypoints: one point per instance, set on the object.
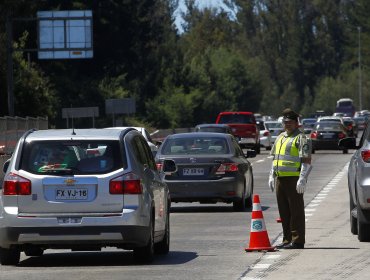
(349, 143)
(169, 166)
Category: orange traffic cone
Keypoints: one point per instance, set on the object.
(259, 239)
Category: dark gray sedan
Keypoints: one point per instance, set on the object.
(211, 167)
(326, 135)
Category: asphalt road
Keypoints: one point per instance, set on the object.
(208, 241)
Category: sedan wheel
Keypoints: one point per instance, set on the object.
(239, 205)
(9, 256)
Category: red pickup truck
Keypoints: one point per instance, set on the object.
(244, 128)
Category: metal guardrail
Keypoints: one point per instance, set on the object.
(12, 128)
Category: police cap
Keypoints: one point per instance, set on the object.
(290, 115)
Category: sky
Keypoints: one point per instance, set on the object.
(201, 3)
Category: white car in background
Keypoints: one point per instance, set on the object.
(265, 136)
(275, 128)
(337, 119)
(145, 133)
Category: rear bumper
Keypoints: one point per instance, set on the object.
(62, 231)
(75, 237)
(325, 145)
(247, 141)
(225, 190)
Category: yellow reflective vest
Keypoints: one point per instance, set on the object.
(286, 160)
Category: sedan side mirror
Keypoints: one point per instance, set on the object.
(169, 166)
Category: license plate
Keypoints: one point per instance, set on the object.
(71, 194)
(193, 171)
(327, 136)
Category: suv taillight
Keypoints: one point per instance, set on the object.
(16, 185)
(227, 167)
(127, 184)
(365, 154)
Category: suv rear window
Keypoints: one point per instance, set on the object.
(237, 118)
(71, 157)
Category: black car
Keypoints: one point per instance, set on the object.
(326, 135)
(211, 167)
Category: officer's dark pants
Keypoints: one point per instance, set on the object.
(291, 209)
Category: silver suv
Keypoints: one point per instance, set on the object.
(83, 189)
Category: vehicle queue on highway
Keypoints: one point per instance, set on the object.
(203, 160)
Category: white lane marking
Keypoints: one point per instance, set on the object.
(261, 266)
(313, 204)
(261, 160)
(271, 256)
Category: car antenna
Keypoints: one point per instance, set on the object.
(73, 127)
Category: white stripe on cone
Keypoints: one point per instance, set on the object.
(257, 207)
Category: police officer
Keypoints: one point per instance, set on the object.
(289, 171)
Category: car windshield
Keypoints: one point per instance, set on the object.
(71, 157)
(195, 145)
(270, 125)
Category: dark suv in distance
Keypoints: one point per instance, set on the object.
(83, 189)
(244, 128)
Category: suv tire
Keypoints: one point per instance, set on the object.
(163, 247)
(363, 228)
(146, 254)
(353, 220)
(258, 148)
